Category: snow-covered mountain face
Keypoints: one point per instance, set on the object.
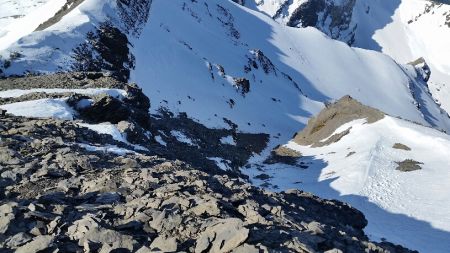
(216, 53)
(403, 29)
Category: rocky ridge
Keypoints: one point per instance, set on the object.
(322, 126)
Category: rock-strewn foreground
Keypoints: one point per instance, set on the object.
(56, 195)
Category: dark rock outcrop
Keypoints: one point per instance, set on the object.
(243, 85)
(241, 2)
(105, 108)
(331, 17)
(105, 49)
(134, 107)
(408, 165)
(282, 154)
(134, 14)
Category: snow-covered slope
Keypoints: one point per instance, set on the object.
(363, 169)
(20, 18)
(51, 48)
(410, 208)
(422, 29)
(184, 68)
(403, 29)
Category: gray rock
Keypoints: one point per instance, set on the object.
(8, 156)
(315, 227)
(409, 165)
(109, 237)
(132, 132)
(7, 208)
(108, 198)
(209, 207)
(250, 211)
(39, 243)
(5, 221)
(165, 221)
(164, 244)
(223, 236)
(17, 240)
(39, 228)
(246, 248)
(144, 249)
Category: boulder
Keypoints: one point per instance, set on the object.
(18, 240)
(39, 243)
(251, 212)
(210, 208)
(5, 221)
(224, 236)
(164, 244)
(106, 108)
(246, 248)
(9, 156)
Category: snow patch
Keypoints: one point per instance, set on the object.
(160, 140)
(106, 149)
(111, 129)
(181, 137)
(221, 163)
(228, 140)
(106, 128)
(41, 108)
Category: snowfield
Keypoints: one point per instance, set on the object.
(409, 208)
(50, 108)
